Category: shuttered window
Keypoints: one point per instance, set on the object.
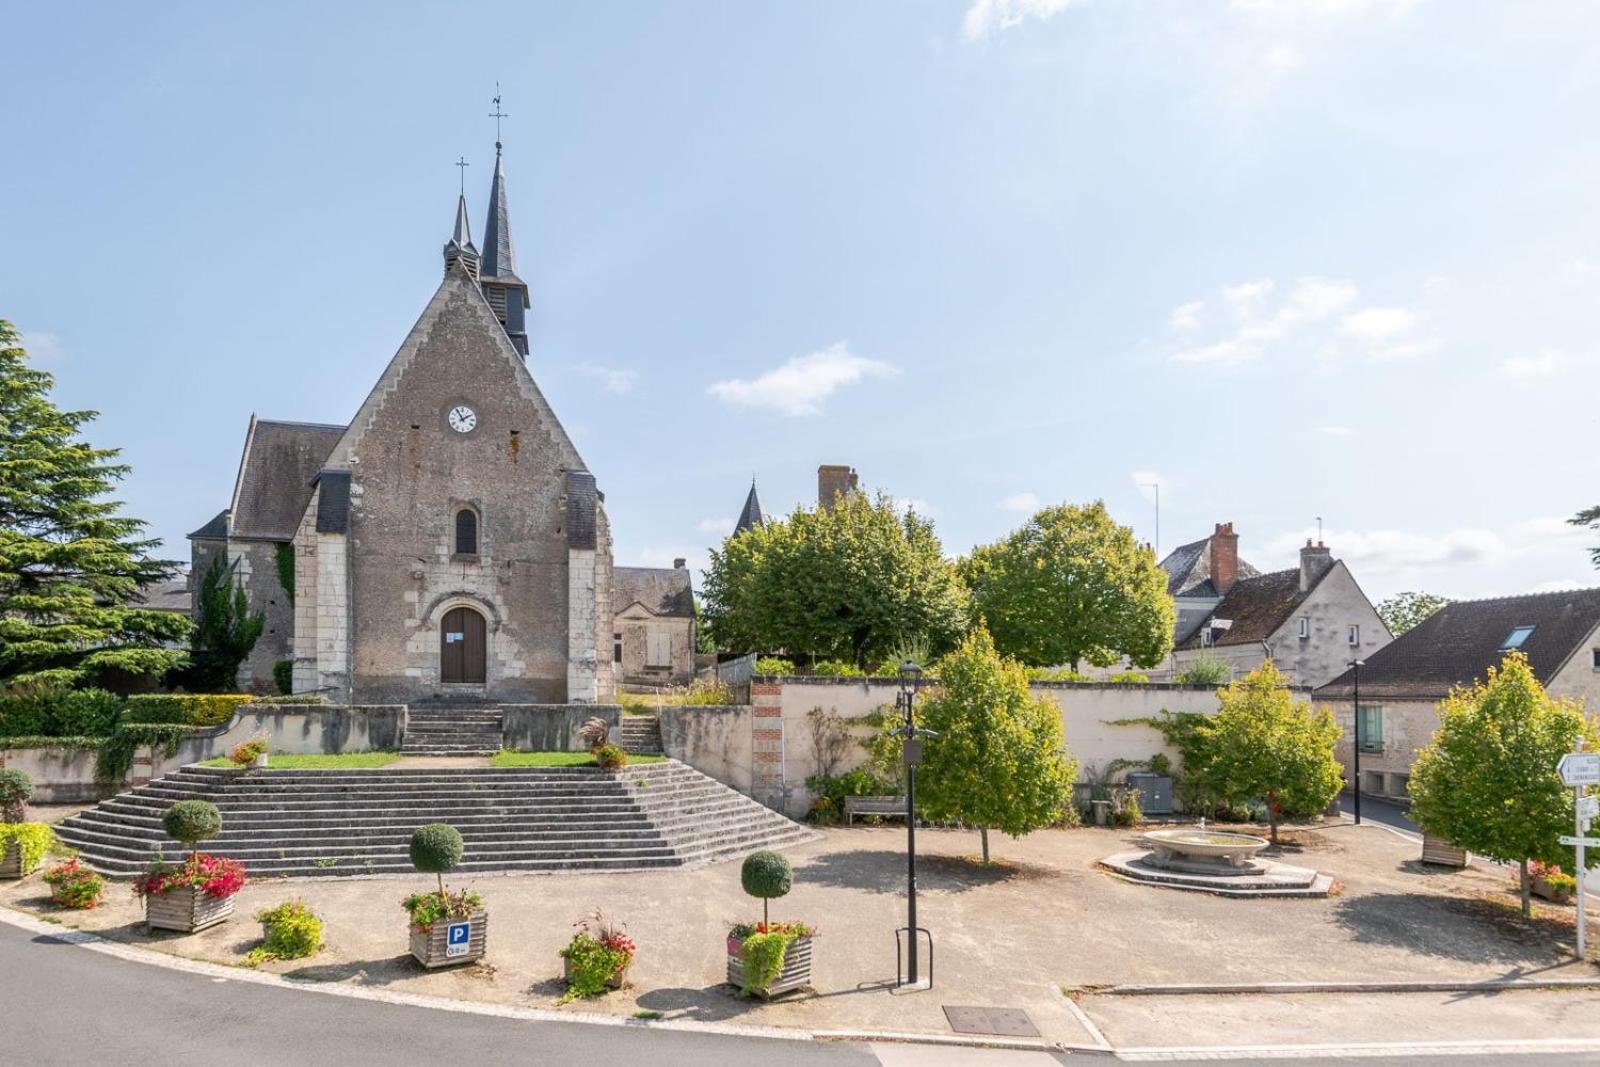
(658, 648)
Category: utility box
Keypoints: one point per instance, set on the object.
(1155, 792)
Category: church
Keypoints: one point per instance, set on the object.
(449, 542)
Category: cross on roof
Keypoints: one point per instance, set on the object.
(463, 164)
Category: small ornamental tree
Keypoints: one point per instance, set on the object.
(15, 789)
(192, 821)
(1073, 585)
(71, 563)
(1487, 781)
(995, 758)
(767, 875)
(1262, 743)
(435, 849)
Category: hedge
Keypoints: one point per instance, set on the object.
(44, 712)
(186, 709)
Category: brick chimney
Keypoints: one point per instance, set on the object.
(833, 482)
(1224, 557)
(1315, 559)
(680, 563)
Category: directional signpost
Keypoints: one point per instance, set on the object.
(1579, 769)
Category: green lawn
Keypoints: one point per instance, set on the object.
(508, 758)
(318, 761)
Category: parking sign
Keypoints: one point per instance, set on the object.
(457, 939)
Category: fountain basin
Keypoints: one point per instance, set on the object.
(1204, 851)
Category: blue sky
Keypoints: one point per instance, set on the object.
(1289, 258)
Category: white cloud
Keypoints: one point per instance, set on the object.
(614, 379)
(1310, 301)
(667, 555)
(1560, 585)
(1435, 286)
(1387, 551)
(1026, 503)
(1582, 265)
(1380, 324)
(1284, 57)
(1247, 293)
(1331, 9)
(799, 386)
(987, 17)
(1187, 316)
(1144, 480)
(1546, 364)
(904, 504)
(716, 526)
(43, 347)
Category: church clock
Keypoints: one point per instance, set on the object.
(462, 419)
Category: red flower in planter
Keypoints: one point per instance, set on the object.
(215, 876)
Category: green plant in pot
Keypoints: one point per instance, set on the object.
(198, 892)
(446, 928)
(16, 788)
(598, 956)
(767, 958)
(22, 844)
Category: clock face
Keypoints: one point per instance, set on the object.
(463, 419)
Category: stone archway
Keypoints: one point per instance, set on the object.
(463, 647)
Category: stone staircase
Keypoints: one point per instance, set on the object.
(450, 730)
(641, 735)
(359, 822)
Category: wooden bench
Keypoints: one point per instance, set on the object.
(883, 806)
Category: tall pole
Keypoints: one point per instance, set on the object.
(908, 694)
(1357, 665)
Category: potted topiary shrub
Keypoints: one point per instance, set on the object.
(72, 885)
(15, 789)
(597, 958)
(767, 958)
(199, 892)
(446, 928)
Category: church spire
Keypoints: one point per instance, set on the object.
(753, 515)
(460, 249)
(507, 293)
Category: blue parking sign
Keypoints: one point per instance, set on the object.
(457, 939)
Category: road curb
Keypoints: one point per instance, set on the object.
(1495, 985)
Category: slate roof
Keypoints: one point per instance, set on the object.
(281, 461)
(582, 503)
(499, 261)
(170, 595)
(753, 514)
(1257, 607)
(1188, 570)
(1457, 644)
(663, 590)
(215, 530)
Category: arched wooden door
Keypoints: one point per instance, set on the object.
(462, 650)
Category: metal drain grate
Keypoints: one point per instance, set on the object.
(1007, 1022)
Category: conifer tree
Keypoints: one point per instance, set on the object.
(225, 632)
(71, 565)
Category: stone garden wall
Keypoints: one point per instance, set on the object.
(554, 727)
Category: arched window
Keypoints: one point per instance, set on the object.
(466, 532)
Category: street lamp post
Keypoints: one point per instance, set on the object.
(1357, 664)
(910, 675)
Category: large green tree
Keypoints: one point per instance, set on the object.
(71, 565)
(995, 757)
(1264, 743)
(1589, 517)
(225, 632)
(1404, 610)
(852, 581)
(1488, 782)
(1072, 585)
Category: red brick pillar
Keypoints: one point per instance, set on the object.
(766, 744)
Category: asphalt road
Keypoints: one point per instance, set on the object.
(1382, 811)
(69, 1006)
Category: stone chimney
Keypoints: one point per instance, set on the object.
(1224, 558)
(833, 482)
(680, 563)
(1315, 559)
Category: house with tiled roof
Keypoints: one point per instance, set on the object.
(1402, 684)
(653, 613)
(1310, 620)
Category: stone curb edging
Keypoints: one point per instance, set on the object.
(135, 954)
(1493, 985)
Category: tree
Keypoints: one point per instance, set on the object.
(225, 631)
(1073, 585)
(71, 566)
(1488, 782)
(995, 757)
(1589, 517)
(1404, 610)
(1262, 743)
(852, 581)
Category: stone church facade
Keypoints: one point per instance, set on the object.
(449, 542)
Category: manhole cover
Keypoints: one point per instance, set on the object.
(1008, 1022)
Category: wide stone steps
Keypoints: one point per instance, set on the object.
(641, 735)
(355, 822)
(452, 731)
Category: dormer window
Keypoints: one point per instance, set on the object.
(1516, 637)
(466, 532)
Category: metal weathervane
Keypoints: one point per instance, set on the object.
(497, 115)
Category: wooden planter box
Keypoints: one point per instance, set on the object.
(430, 949)
(1543, 889)
(796, 973)
(618, 979)
(11, 860)
(1438, 852)
(186, 909)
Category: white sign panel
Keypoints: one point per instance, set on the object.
(1588, 807)
(1586, 842)
(1580, 768)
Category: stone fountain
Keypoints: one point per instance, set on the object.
(1214, 861)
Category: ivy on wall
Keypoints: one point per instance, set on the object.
(286, 569)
